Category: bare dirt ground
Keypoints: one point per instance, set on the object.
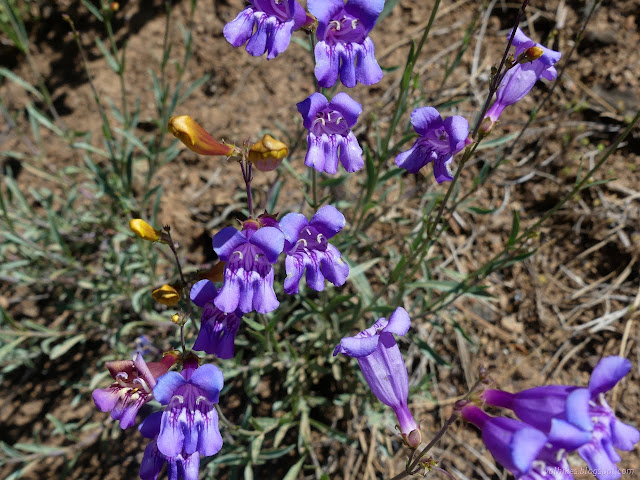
(554, 316)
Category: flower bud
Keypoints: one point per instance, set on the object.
(530, 54)
(196, 138)
(268, 153)
(166, 295)
(214, 274)
(114, 6)
(179, 319)
(144, 230)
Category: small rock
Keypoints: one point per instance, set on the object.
(510, 323)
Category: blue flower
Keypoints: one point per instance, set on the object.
(344, 45)
(330, 137)
(521, 78)
(178, 467)
(439, 141)
(273, 20)
(383, 367)
(307, 248)
(248, 274)
(515, 445)
(577, 418)
(217, 329)
(189, 424)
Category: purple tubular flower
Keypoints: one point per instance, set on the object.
(274, 21)
(383, 367)
(521, 78)
(248, 274)
(307, 249)
(134, 382)
(550, 464)
(439, 141)
(577, 418)
(218, 329)
(515, 445)
(344, 47)
(190, 422)
(186, 467)
(330, 137)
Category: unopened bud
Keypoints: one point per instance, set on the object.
(114, 6)
(196, 138)
(166, 295)
(268, 153)
(215, 274)
(530, 54)
(144, 230)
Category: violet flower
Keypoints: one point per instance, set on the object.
(189, 425)
(344, 47)
(178, 467)
(383, 367)
(439, 141)
(515, 445)
(577, 418)
(248, 274)
(307, 248)
(521, 78)
(134, 382)
(274, 22)
(330, 137)
(217, 329)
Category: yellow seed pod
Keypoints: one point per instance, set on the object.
(166, 295)
(144, 230)
(196, 138)
(268, 153)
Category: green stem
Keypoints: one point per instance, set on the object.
(472, 278)
(398, 109)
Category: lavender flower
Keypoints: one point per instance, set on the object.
(439, 141)
(186, 467)
(274, 21)
(344, 45)
(515, 445)
(330, 137)
(307, 248)
(577, 418)
(248, 274)
(189, 425)
(218, 329)
(521, 78)
(383, 367)
(134, 382)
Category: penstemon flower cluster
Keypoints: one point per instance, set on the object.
(184, 428)
(556, 420)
